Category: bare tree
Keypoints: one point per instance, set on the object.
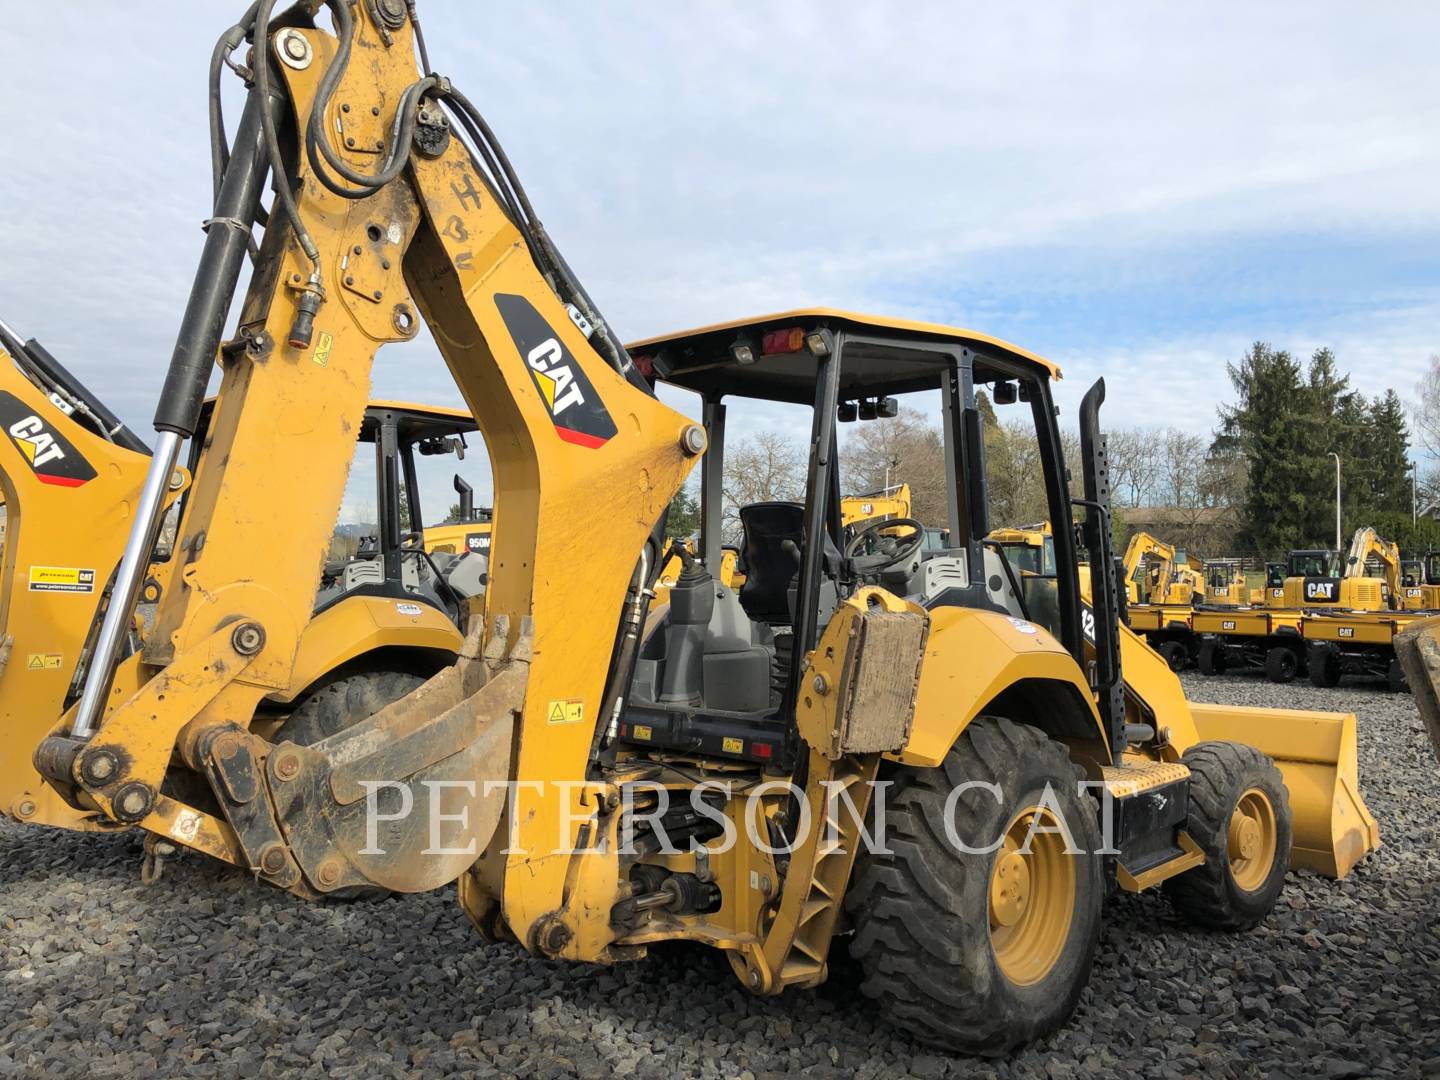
(762, 467)
(908, 449)
(1135, 464)
(1425, 412)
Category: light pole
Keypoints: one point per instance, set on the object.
(1414, 500)
(1337, 499)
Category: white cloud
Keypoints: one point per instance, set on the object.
(703, 161)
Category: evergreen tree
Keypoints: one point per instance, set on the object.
(1272, 425)
(1389, 446)
(682, 520)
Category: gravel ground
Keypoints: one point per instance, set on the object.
(205, 973)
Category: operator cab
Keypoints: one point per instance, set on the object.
(718, 668)
(1314, 563)
(381, 546)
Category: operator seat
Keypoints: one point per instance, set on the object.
(769, 567)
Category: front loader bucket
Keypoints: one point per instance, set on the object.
(1316, 753)
(1418, 649)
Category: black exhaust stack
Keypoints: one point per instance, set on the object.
(1104, 580)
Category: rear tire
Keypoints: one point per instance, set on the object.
(1212, 658)
(344, 703)
(981, 952)
(1324, 664)
(333, 708)
(1175, 655)
(1240, 817)
(1281, 664)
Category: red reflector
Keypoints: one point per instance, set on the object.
(760, 749)
(783, 341)
(624, 731)
(646, 365)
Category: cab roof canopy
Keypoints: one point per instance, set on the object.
(881, 356)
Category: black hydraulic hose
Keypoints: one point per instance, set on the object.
(316, 137)
(227, 43)
(219, 270)
(283, 190)
(489, 170)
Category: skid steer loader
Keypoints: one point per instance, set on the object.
(386, 613)
(595, 788)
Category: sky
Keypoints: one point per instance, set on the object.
(1133, 190)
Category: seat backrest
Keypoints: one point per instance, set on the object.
(768, 567)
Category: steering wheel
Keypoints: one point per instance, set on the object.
(893, 550)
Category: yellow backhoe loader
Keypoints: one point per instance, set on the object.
(71, 473)
(594, 787)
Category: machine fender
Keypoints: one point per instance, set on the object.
(359, 625)
(971, 658)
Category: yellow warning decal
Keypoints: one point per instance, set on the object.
(565, 711)
(641, 731)
(322, 349)
(44, 661)
(72, 579)
(732, 746)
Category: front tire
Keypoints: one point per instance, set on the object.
(1240, 817)
(1324, 664)
(1175, 655)
(1281, 664)
(1395, 678)
(981, 952)
(1212, 658)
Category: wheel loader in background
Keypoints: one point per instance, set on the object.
(551, 769)
(387, 614)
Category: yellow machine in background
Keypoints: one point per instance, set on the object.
(570, 741)
(1029, 548)
(1225, 582)
(386, 617)
(889, 502)
(1312, 580)
(1272, 593)
(1158, 573)
(71, 474)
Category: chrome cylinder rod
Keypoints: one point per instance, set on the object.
(128, 579)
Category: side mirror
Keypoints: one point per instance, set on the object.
(1006, 393)
(1026, 390)
(868, 409)
(888, 408)
(846, 412)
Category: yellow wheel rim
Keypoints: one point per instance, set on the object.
(1032, 897)
(1252, 840)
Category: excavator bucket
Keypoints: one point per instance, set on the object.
(1333, 829)
(1418, 649)
(406, 799)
